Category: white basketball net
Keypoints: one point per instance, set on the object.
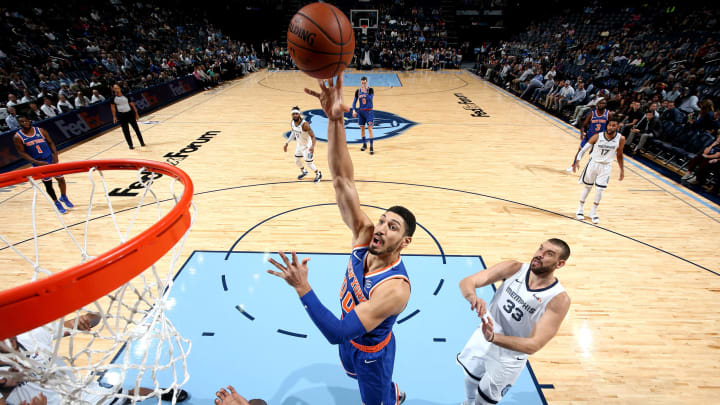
(77, 365)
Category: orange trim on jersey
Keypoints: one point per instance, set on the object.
(359, 246)
(372, 349)
(385, 268)
(384, 280)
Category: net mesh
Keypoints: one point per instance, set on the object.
(121, 346)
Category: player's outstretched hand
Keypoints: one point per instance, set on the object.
(478, 305)
(294, 273)
(229, 398)
(331, 98)
(487, 328)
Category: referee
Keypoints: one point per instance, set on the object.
(128, 114)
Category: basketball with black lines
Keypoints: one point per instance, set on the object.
(321, 40)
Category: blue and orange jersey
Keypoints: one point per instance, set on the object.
(365, 98)
(598, 123)
(358, 287)
(35, 145)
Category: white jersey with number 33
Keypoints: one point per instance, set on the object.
(515, 308)
(604, 150)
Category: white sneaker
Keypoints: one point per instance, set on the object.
(692, 180)
(687, 175)
(580, 216)
(595, 219)
(568, 170)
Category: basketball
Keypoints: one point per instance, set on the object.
(320, 40)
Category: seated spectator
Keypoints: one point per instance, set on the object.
(577, 98)
(63, 104)
(65, 91)
(12, 101)
(631, 118)
(11, 120)
(706, 118)
(96, 97)
(548, 86)
(81, 100)
(689, 104)
(532, 85)
(48, 108)
(702, 164)
(647, 127)
(36, 114)
(202, 77)
(672, 114)
(565, 94)
(27, 97)
(675, 93)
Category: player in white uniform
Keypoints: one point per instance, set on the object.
(40, 342)
(524, 314)
(304, 137)
(606, 147)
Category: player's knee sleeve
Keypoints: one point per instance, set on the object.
(311, 165)
(598, 194)
(585, 192)
(299, 161)
(50, 190)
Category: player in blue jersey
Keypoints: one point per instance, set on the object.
(35, 145)
(376, 287)
(594, 123)
(365, 113)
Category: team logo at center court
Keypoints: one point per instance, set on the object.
(386, 125)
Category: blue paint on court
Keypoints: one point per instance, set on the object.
(386, 125)
(286, 369)
(374, 79)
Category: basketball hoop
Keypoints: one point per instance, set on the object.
(364, 29)
(127, 306)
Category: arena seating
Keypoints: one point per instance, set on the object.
(643, 54)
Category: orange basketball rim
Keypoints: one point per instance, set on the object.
(42, 301)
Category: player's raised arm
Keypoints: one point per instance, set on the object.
(340, 163)
(498, 272)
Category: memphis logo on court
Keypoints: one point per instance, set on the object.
(386, 125)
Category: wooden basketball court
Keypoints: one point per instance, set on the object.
(642, 327)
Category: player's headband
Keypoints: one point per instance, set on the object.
(295, 111)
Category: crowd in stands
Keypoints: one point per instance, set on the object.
(408, 38)
(51, 63)
(656, 68)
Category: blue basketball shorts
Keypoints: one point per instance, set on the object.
(366, 117)
(372, 367)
